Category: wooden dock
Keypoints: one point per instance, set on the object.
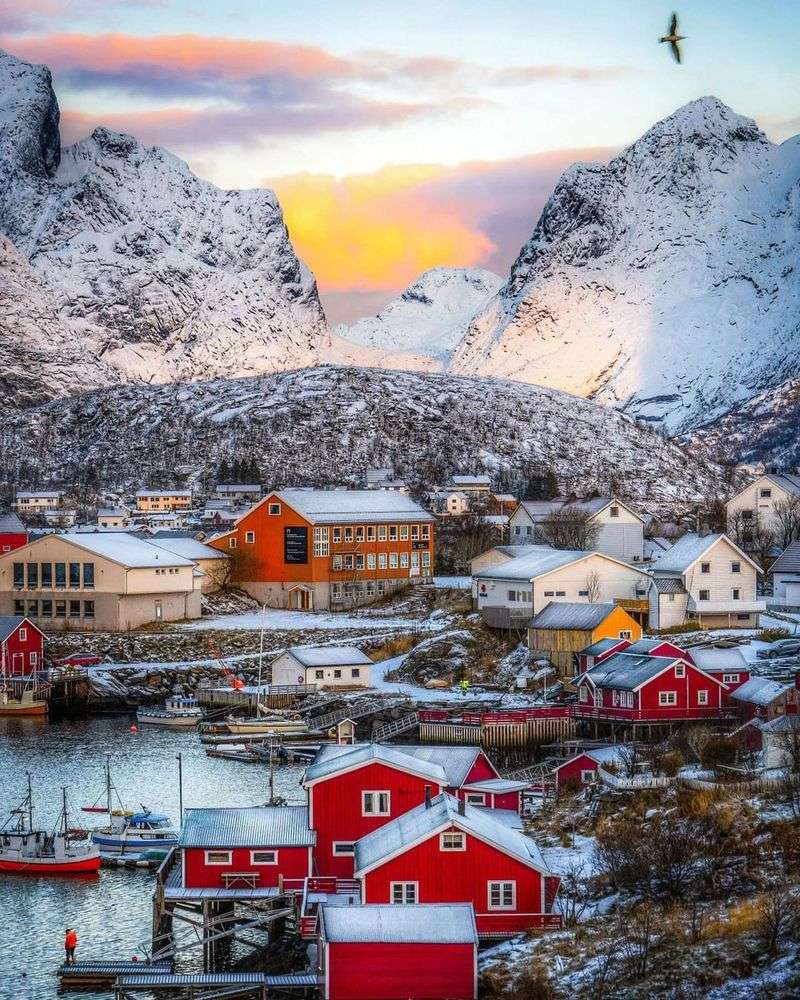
(524, 728)
(87, 975)
(210, 986)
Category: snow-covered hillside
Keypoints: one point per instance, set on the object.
(665, 283)
(327, 424)
(430, 317)
(183, 279)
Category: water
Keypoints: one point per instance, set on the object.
(112, 911)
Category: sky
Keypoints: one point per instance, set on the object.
(398, 136)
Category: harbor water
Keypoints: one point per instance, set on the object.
(110, 911)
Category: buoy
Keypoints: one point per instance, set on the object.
(134, 729)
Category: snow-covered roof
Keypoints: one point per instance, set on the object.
(163, 493)
(328, 656)
(248, 826)
(542, 510)
(356, 755)
(627, 673)
(11, 523)
(788, 561)
(471, 480)
(688, 549)
(112, 512)
(455, 761)
(789, 481)
(540, 559)
(440, 813)
(509, 817)
(760, 691)
(125, 549)
(601, 646)
(352, 506)
(39, 494)
(781, 724)
(643, 647)
(190, 548)
(607, 755)
(418, 923)
(10, 623)
(237, 488)
(499, 786)
(571, 615)
(712, 659)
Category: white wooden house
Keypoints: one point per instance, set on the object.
(619, 529)
(323, 666)
(758, 500)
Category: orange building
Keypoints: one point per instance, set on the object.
(163, 500)
(321, 549)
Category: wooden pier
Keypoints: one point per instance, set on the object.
(103, 975)
(525, 728)
(248, 700)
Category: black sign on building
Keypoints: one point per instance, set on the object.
(295, 545)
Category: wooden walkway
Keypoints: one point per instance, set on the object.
(104, 974)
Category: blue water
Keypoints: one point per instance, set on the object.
(112, 911)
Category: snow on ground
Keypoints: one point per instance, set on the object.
(379, 682)
(560, 859)
(274, 619)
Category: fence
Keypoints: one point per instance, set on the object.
(742, 787)
(637, 781)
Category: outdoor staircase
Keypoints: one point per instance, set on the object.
(382, 733)
(324, 722)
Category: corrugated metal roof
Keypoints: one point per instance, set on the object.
(789, 481)
(353, 506)
(189, 548)
(788, 561)
(329, 763)
(642, 646)
(688, 549)
(456, 762)
(669, 585)
(419, 923)
(540, 559)
(120, 968)
(125, 549)
(505, 816)
(601, 646)
(760, 691)
(328, 656)
(626, 672)
(11, 523)
(571, 615)
(422, 821)
(149, 979)
(250, 826)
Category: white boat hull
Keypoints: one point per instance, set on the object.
(170, 721)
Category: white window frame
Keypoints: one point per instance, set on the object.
(232, 543)
(705, 591)
(730, 678)
(404, 888)
(403, 532)
(680, 670)
(502, 886)
(702, 697)
(249, 537)
(449, 838)
(587, 775)
(370, 560)
(228, 858)
(705, 568)
(274, 509)
(270, 851)
(736, 593)
(343, 848)
(381, 560)
(667, 699)
(736, 567)
(23, 635)
(381, 532)
(403, 560)
(321, 542)
(426, 559)
(378, 811)
(625, 633)
(393, 560)
(475, 798)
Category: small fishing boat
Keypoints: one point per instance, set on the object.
(177, 712)
(264, 725)
(130, 833)
(20, 696)
(26, 851)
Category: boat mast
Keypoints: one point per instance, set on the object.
(108, 788)
(64, 810)
(30, 803)
(259, 708)
(271, 772)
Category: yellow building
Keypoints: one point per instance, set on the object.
(163, 500)
(562, 629)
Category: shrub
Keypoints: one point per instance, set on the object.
(671, 763)
(773, 634)
(719, 751)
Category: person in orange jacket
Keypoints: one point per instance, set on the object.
(70, 944)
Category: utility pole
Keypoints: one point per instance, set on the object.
(180, 788)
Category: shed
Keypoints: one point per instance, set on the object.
(562, 629)
(765, 698)
(324, 666)
(386, 952)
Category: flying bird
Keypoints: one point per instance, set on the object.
(673, 38)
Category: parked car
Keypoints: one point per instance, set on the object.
(78, 660)
(783, 647)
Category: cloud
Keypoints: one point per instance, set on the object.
(36, 15)
(369, 235)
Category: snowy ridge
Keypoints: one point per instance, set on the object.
(429, 318)
(328, 424)
(664, 283)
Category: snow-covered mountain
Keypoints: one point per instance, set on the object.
(666, 283)
(429, 318)
(327, 424)
(177, 278)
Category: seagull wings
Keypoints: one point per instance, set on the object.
(673, 26)
(676, 51)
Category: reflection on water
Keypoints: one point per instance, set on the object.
(111, 911)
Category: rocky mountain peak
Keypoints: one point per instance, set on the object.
(29, 116)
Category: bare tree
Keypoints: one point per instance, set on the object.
(752, 534)
(696, 739)
(573, 892)
(593, 586)
(786, 517)
(776, 911)
(629, 757)
(568, 528)
(638, 932)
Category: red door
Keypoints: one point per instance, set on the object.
(17, 663)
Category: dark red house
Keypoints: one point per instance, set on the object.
(582, 768)
(353, 790)
(398, 952)
(13, 533)
(253, 847)
(445, 851)
(21, 646)
(635, 688)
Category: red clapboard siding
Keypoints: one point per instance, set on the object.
(571, 770)
(686, 689)
(336, 809)
(24, 656)
(372, 971)
(293, 862)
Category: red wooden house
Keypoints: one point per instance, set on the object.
(353, 790)
(600, 650)
(446, 851)
(398, 952)
(256, 847)
(628, 687)
(582, 768)
(13, 533)
(21, 646)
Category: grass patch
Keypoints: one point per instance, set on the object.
(394, 646)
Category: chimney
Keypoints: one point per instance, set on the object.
(462, 807)
(427, 796)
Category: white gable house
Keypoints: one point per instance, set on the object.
(619, 529)
(323, 666)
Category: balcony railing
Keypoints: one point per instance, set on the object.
(661, 713)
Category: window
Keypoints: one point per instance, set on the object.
(587, 776)
(319, 675)
(370, 560)
(680, 670)
(263, 857)
(392, 532)
(337, 534)
(743, 618)
(403, 560)
(583, 593)
(343, 848)
(625, 634)
(337, 562)
(425, 531)
(46, 570)
(33, 575)
(33, 609)
(705, 595)
(61, 609)
(614, 512)
(23, 635)
(370, 532)
(355, 672)
(74, 609)
(33, 659)
(337, 673)
(403, 893)
(231, 543)
(347, 559)
(61, 575)
(414, 531)
(88, 609)
(403, 532)
(561, 593)
(275, 509)
(584, 694)
(249, 537)
(450, 841)
(47, 609)
(382, 533)
(736, 594)
(702, 697)
(502, 895)
(730, 678)
(415, 560)
(549, 593)
(667, 698)
(359, 560)
(348, 534)
(19, 575)
(476, 798)
(705, 567)
(375, 803)
(736, 567)
(218, 857)
(381, 560)
(74, 574)
(512, 595)
(392, 560)
(747, 515)
(671, 598)
(88, 576)
(19, 608)
(765, 494)
(426, 559)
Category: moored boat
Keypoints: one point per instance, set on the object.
(130, 832)
(26, 851)
(264, 725)
(23, 695)
(176, 712)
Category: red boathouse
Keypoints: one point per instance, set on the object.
(398, 952)
(13, 533)
(21, 646)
